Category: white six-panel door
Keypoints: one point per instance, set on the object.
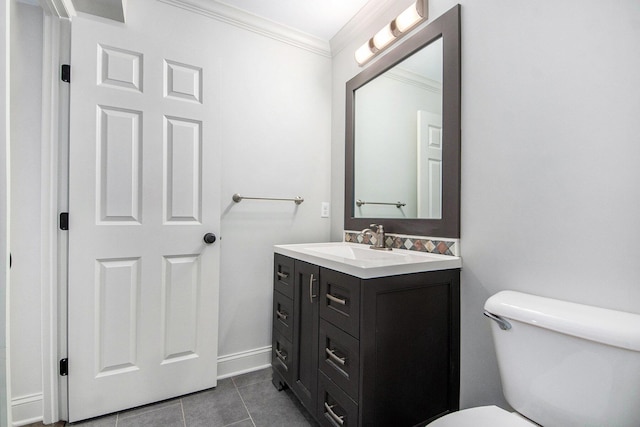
(429, 165)
(144, 189)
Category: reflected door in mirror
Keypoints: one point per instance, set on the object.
(429, 166)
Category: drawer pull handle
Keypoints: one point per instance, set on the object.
(281, 315)
(286, 368)
(282, 356)
(282, 275)
(337, 418)
(311, 295)
(332, 354)
(337, 300)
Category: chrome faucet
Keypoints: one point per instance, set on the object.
(378, 235)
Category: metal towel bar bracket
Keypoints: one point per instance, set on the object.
(396, 204)
(504, 325)
(238, 198)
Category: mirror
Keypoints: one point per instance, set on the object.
(403, 136)
(403, 105)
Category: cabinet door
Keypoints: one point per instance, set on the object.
(410, 369)
(305, 334)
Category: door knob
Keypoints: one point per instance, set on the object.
(209, 238)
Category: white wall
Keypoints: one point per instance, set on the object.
(550, 154)
(276, 144)
(25, 300)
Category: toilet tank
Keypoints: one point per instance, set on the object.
(564, 364)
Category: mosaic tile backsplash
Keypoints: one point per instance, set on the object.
(412, 243)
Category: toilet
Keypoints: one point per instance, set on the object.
(561, 364)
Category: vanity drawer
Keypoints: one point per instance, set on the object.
(283, 315)
(283, 278)
(340, 300)
(335, 408)
(281, 354)
(339, 358)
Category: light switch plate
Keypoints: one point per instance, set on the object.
(324, 209)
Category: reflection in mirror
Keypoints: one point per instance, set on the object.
(398, 140)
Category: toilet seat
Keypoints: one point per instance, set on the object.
(482, 416)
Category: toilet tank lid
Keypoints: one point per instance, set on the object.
(615, 328)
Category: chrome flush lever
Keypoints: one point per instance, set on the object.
(504, 325)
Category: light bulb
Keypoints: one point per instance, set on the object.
(408, 18)
(364, 53)
(383, 37)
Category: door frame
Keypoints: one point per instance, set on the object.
(5, 208)
(53, 200)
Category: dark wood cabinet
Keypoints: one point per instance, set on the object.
(368, 352)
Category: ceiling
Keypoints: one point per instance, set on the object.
(320, 18)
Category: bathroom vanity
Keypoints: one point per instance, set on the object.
(367, 337)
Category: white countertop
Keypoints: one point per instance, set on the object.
(361, 261)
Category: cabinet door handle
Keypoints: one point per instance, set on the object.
(282, 275)
(337, 300)
(286, 368)
(281, 355)
(337, 418)
(281, 315)
(311, 295)
(332, 354)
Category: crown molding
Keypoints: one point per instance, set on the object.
(409, 77)
(254, 23)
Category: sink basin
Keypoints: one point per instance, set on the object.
(362, 261)
(360, 252)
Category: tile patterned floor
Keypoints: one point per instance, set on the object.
(248, 400)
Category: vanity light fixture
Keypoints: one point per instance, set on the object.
(391, 32)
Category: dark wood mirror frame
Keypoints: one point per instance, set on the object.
(446, 26)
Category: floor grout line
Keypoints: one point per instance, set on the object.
(184, 418)
(238, 422)
(243, 402)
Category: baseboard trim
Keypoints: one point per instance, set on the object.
(245, 361)
(26, 409)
